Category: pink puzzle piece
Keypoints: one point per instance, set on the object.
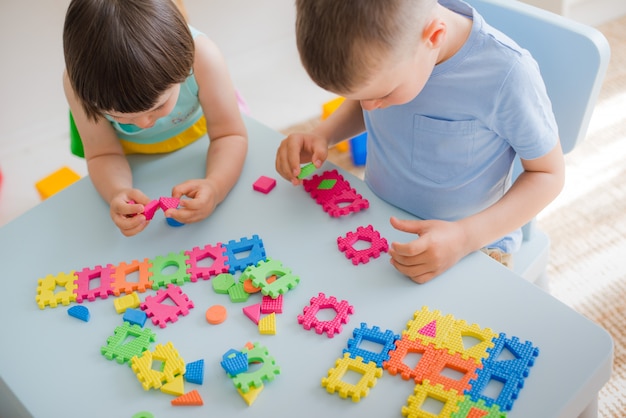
(166, 312)
(264, 184)
(429, 330)
(215, 252)
(168, 203)
(253, 312)
(368, 234)
(85, 290)
(309, 320)
(150, 209)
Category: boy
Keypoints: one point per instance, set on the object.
(447, 102)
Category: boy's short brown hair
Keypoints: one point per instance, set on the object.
(122, 55)
(341, 42)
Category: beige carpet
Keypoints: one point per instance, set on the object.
(587, 222)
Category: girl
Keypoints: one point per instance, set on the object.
(138, 79)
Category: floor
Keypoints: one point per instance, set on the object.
(276, 88)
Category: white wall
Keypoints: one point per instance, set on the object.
(589, 12)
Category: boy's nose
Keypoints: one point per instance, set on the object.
(146, 122)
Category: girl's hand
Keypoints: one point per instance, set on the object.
(203, 199)
(126, 210)
(440, 245)
(299, 148)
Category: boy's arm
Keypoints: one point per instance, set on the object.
(442, 244)
(344, 123)
(539, 184)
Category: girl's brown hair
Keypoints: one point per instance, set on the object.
(122, 55)
(342, 42)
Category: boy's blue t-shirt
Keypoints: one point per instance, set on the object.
(448, 153)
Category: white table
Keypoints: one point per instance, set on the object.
(50, 363)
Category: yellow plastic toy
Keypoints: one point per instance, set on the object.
(56, 182)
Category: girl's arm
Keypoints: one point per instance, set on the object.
(227, 134)
(108, 167)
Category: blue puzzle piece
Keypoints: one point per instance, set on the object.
(80, 312)
(195, 372)
(235, 362)
(135, 316)
(254, 249)
(386, 339)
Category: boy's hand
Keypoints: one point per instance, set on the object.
(440, 246)
(203, 200)
(300, 148)
(126, 210)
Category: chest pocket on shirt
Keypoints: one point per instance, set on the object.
(442, 150)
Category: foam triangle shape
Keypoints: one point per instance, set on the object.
(192, 398)
(176, 387)
(429, 330)
(253, 312)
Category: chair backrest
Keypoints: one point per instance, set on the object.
(573, 59)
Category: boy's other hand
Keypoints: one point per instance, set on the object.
(297, 149)
(438, 247)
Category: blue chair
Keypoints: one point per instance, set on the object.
(573, 59)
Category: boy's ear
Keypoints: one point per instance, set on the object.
(434, 33)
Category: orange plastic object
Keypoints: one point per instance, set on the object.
(216, 314)
(192, 398)
(56, 182)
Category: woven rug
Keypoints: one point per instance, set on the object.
(587, 222)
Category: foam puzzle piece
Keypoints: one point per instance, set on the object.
(172, 366)
(252, 246)
(173, 222)
(267, 372)
(421, 328)
(85, 290)
(121, 284)
(123, 303)
(385, 339)
(308, 319)
(222, 283)
(252, 394)
(161, 269)
(174, 387)
(127, 342)
(150, 209)
(79, 312)
(377, 243)
(270, 304)
(253, 312)
(135, 317)
(345, 203)
(235, 362)
(160, 312)
(405, 346)
(166, 203)
(47, 294)
(195, 372)
(465, 367)
(471, 409)
(237, 293)
(192, 398)
(424, 390)
(334, 383)
(267, 324)
(219, 264)
(264, 270)
(306, 170)
(264, 184)
(321, 194)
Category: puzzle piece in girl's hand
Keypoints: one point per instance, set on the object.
(150, 209)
